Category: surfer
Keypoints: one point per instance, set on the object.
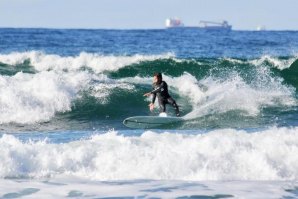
(160, 89)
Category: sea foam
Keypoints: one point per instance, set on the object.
(30, 98)
(212, 95)
(224, 154)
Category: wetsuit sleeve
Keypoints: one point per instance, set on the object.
(153, 98)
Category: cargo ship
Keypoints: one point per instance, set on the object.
(206, 25)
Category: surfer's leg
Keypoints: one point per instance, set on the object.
(173, 103)
(162, 105)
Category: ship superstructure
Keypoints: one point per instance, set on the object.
(174, 23)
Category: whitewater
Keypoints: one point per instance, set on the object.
(63, 102)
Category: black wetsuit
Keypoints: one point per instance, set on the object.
(161, 91)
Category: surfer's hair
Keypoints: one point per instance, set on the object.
(159, 76)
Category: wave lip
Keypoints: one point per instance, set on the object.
(225, 154)
(279, 63)
(97, 62)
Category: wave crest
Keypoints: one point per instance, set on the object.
(97, 62)
(218, 155)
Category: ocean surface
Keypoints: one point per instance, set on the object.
(65, 93)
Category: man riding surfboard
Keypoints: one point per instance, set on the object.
(160, 89)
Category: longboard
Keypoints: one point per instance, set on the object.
(145, 122)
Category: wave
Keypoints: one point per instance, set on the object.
(97, 62)
(236, 94)
(290, 74)
(224, 154)
(92, 86)
(123, 66)
(280, 63)
(30, 98)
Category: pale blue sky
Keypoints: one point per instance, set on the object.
(133, 14)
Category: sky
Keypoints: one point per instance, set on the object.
(144, 14)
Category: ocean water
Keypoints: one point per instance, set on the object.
(65, 93)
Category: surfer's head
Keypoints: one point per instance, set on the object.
(157, 78)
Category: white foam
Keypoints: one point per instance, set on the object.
(232, 93)
(218, 155)
(99, 63)
(276, 62)
(26, 98)
(30, 98)
(213, 95)
(189, 86)
(80, 188)
(279, 63)
(163, 114)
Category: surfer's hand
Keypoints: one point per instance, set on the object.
(151, 106)
(147, 94)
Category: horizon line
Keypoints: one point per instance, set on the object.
(161, 28)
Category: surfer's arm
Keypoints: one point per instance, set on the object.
(151, 105)
(147, 94)
(153, 92)
(153, 98)
(158, 89)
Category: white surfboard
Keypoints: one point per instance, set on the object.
(147, 122)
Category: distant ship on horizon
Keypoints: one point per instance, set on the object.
(207, 25)
(261, 28)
